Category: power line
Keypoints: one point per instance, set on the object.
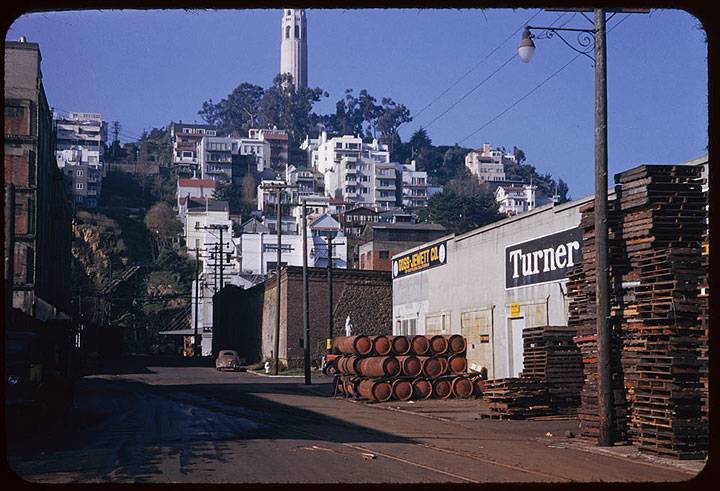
(477, 64)
(495, 118)
(492, 74)
(512, 57)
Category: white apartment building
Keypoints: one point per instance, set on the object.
(309, 182)
(199, 235)
(185, 139)
(258, 247)
(354, 171)
(488, 164)
(259, 148)
(414, 185)
(513, 200)
(215, 158)
(79, 143)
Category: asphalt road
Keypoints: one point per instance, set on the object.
(169, 422)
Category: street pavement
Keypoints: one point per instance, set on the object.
(173, 421)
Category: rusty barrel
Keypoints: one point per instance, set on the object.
(420, 345)
(422, 388)
(348, 364)
(462, 388)
(410, 365)
(400, 345)
(432, 366)
(378, 366)
(441, 388)
(373, 390)
(352, 345)
(456, 343)
(438, 345)
(381, 345)
(402, 390)
(457, 364)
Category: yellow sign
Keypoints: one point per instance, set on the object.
(329, 343)
(427, 257)
(514, 310)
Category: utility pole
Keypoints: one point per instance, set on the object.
(222, 253)
(306, 302)
(330, 295)
(278, 265)
(605, 394)
(197, 339)
(9, 250)
(279, 188)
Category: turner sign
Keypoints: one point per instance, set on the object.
(543, 259)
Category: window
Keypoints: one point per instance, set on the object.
(384, 254)
(80, 185)
(297, 32)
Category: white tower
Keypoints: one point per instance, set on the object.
(293, 48)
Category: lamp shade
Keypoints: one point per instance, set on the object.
(526, 48)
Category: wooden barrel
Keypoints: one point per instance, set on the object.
(441, 388)
(422, 388)
(420, 345)
(400, 345)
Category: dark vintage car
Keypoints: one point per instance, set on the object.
(227, 360)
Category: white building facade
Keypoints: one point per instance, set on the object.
(215, 158)
(488, 164)
(354, 171)
(79, 148)
(513, 200)
(414, 185)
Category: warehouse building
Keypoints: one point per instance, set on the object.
(490, 283)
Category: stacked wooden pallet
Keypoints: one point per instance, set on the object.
(663, 219)
(551, 355)
(516, 397)
(582, 315)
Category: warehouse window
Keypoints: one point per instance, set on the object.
(384, 254)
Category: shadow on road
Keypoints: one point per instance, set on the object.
(138, 364)
(126, 428)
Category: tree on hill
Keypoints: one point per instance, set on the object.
(460, 211)
(241, 110)
(163, 224)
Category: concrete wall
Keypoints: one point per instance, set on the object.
(470, 289)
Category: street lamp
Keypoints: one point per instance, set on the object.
(587, 39)
(526, 49)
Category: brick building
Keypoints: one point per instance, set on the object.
(380, 241)
(245, 318)
(43, 212)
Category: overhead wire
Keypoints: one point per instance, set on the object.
(525, 96)
(468, 93)
(457, 81)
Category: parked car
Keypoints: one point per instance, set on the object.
(227, 359)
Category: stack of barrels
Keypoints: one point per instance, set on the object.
(380, 368)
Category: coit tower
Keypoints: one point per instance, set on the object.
(293, 48)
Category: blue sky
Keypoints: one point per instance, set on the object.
(145, 68)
